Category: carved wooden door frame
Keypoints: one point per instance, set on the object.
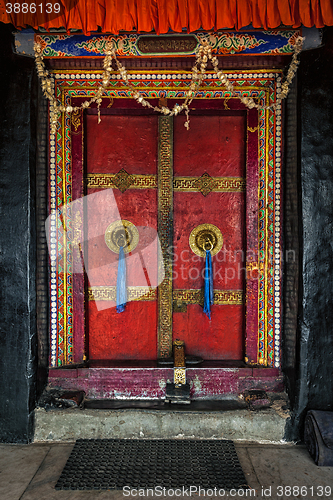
(263, 206)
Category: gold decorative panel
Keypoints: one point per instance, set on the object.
(165, 232)
(110, 293)
(221, 297)
(179, 376)
(122, 180)
(206, 184)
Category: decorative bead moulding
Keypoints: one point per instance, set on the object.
(264, 136)
(277, 42)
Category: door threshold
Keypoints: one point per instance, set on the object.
(109, 363)
(159, 404)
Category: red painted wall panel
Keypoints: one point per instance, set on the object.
(213, 144)
(224, 210)
(128, 142)
(128, 335)
(221, 338)
(106, 206)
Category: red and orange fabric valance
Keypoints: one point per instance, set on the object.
(162, 15)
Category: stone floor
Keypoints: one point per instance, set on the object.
(29, 472)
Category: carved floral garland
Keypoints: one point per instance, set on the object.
(204, 54)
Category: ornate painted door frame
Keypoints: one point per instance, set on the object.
(263, 208)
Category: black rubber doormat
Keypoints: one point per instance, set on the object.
(115, 464)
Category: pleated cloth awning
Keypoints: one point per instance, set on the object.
(162, 15)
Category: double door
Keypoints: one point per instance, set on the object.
(167, 184)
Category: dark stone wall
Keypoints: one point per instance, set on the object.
(18, 343)
(42, 286)
(291, 242)
(311, 383)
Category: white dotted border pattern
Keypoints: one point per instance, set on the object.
(277, 234)
(156, 76)
(53, 250)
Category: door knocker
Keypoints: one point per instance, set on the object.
(121, 233)
(206, 240)
(121, 237)
(206, 237)
(208, 244)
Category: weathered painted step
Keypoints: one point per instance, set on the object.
(150, 382)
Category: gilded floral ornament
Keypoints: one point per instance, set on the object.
(205, 184)
(123, 180)
(204, 55)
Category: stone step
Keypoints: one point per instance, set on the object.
(266, 425)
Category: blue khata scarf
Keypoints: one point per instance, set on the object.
(121, 282)
(208, 284)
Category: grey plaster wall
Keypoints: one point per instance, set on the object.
(18, 342)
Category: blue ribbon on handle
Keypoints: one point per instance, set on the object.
(208, 284)
(121, 282)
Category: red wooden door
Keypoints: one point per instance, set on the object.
(124, 145)
(214, 147)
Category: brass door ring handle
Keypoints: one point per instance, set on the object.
(204, 235)
(208, 240)
(121, 241)
(121, 233)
